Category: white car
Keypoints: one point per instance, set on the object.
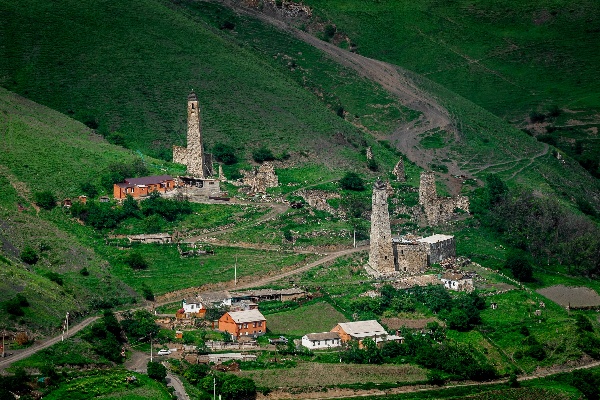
(164, 352)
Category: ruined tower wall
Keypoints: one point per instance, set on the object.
(399, 172)
(410, 258)
(195, 161)
(180, 155)
(438, 209)
(381, 255)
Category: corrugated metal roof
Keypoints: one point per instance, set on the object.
(148, 180)
(241, 317)
(322, 336)
(436, 238)
(360, 329)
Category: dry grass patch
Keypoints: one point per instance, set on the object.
(315, 374)
(317, 317)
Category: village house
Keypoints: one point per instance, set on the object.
(361, 330)
(243, 323)
(324, 340)
(140, 187)
(193, 308)
(457, 282)
(259, 295)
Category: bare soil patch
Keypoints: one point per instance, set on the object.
(579, 296)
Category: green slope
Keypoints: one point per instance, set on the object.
(43, 150)
(129, 66)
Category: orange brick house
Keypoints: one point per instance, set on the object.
(139, 187)
(243, 323)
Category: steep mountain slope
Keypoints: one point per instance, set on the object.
(126, 70)
(42, 149)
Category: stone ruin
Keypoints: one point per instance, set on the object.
(398, 171)
(317, 199)
(369, 153)
(381, 256)
(438, 209)
(199, 164)
(260, 179)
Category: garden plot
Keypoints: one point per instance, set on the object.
(568, 296)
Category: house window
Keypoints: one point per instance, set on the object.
(254, 324)
(259, 323)
(246, 325)
(239, 326)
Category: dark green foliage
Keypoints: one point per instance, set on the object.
(55, 277)
(154, 223)
(583, 323)
(15, 305)
(554, 111)
(214, 313)
(496, 189)
(224, 153)
(589, 344)
(84, 271)
(524, 331)
(130, 208)
(536, 351)
(136, 260)
(89, 189)
(355, 205)
(329, 31)
(157, 371)
(536, 117)
(512, 381)
(262, 154)
(196, 372)
(147, 292)
(372, 165)
(287, 234)
(45, 199)
(588, 383)
(435, 377)
(29, 255)
(139, 325)
(231, 387)
(100, 215)
(351, 181)
(105, 338)
(169, 209)
(518, 263)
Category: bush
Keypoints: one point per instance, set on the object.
(521, 268)
(157, 371)
(224, 153)
(136, 261)
(535, 117)
(29, 256)
(351, 181)
(262, 154)
(372, 165)
(54, 277)
(45, 199)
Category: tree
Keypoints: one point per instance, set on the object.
(136, 261)
(351, 181)
(496, 189)
(224, 153)
(262, 154)
(89, 189)
(236, 388)
(519, 265)
(157, 371)
(29, 255)
(140, 325)
(130, 207)
(45, 199)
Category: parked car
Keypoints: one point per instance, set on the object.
(164, 352)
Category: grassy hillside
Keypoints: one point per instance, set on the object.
(127, 69)
(510, 57)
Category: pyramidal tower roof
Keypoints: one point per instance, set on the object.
(192, 96)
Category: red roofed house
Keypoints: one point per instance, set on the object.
(139, 187)
(243, 323)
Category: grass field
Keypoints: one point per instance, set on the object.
(319, 375)
(313, 318)
(110, 384)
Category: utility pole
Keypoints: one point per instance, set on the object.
(235, 272)
(355, 238)
(214, 388)
(151, 348)
(3, 334)
(67, 324)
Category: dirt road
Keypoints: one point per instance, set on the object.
(6, 362)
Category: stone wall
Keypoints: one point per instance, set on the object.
(438, 209)
(381, 255)
(440, 250)
(180, 155)
(399, 172)
(317, 199)
(260, 179)
(410, 257)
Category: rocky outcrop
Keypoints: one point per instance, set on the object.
(317, 199)
(260, 179)
(399, 172)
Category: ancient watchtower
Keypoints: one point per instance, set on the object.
(198, 163)
(381, 255)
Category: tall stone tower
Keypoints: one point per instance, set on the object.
(198, 163)
(427, 189)
(381, 254)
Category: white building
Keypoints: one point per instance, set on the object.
(457, 282)
(323, 340)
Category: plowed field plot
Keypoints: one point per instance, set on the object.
(579, 296)
(314, 374)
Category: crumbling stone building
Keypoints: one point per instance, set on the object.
(412, 255)
(262, 178)
(399, 172)
(438, 209)
(199, 163)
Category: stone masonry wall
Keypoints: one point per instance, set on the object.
(410, 258)
(262, 178)
(399, 172)
(317, 199)
(381, 255)
(438, 209)
(441, 250)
